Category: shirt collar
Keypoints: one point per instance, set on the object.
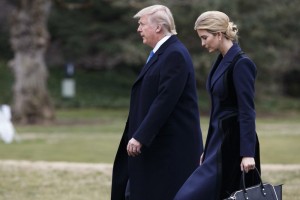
(163, 40)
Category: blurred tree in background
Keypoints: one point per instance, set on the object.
(96, 37)
(29, 39)
(101, 36)
(104, 36)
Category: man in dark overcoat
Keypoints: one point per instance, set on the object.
(162, 141)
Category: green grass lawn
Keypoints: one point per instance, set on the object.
(92, 136)
(23, 183)
(50, 184)
(89, 135)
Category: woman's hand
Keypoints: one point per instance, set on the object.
(247, 164)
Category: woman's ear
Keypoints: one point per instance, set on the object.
(220, 35)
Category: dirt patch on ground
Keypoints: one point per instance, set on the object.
(280, 167)
(68, 166)
(104, 167)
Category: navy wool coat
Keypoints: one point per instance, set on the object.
(164, 117)
(231, 133)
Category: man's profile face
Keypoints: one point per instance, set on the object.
(147, 31)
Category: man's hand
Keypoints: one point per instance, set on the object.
(134, 147)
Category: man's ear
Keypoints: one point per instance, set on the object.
(158, 29)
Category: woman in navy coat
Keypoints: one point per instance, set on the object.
(231, 144)
(162, 142)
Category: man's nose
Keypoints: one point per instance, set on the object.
(139, 29)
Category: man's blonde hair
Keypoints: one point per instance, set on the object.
(161, 15)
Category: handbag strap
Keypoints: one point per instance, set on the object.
(263, 190)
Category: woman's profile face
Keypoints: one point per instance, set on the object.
(209, 40)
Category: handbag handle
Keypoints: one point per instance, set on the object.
(261, 184)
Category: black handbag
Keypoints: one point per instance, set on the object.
(262, 191)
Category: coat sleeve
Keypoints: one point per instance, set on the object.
(173, 76)
(244, 75)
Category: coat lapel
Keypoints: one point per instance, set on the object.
(211, 73)
(220, 70)
(155, 57)
(147, 66)
(221, 65)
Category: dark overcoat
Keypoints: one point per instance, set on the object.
(164, 117)
(231, 133)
